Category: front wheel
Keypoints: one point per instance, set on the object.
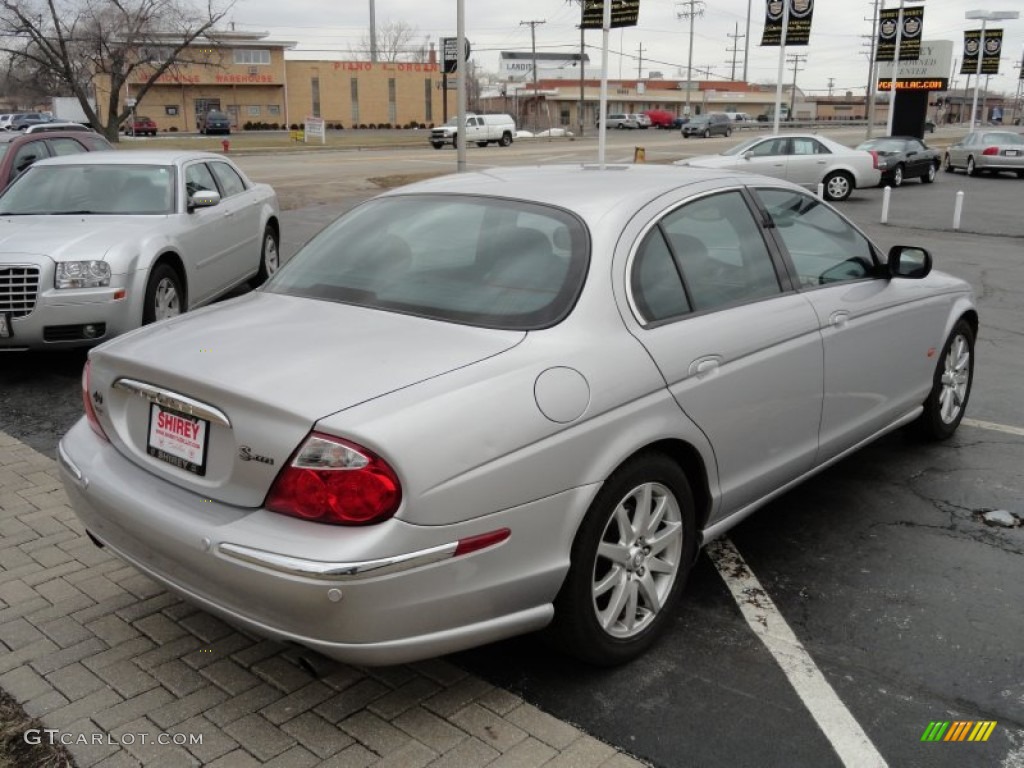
(929, 175)
(629, 562)
(437, 144)
(707, 133)
(951, 385)
(728, 132)
(838, 186)
(972, 169)
(270, 257)
(164, 295)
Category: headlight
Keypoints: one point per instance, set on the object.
(82, 274)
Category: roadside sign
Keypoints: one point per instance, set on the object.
(450, 48)
(315, 129)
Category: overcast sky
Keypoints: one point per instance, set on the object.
(839, 34)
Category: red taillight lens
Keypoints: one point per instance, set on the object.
(90, 412)
(990, 151)
(874, 158)
(330, 480)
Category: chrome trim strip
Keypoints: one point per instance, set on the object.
(318, 569)
(69, 465)
(170, 399)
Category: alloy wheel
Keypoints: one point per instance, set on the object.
(956, 377)
(166, 302)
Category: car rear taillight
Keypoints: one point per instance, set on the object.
(874, 158)
(90, 412)
(990, 151)
(330, 480)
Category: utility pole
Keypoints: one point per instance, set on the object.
(533, 43)
(373, 33)
(746, 45)
(694, 8)
(831, 85)
(640, 63)
(796, 59)
(869, 94)
(736, 36)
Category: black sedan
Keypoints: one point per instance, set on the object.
(903, 157)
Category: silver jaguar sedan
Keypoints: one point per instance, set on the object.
(987, 151)
(95, 244)
(497, 402)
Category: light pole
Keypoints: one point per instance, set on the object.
(985, 16)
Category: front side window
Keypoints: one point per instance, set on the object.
(27, 154)
(824, 248)
(475, 261)
(199, 179)
(769, 148)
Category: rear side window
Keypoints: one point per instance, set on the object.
(231, 183)
(472, 260)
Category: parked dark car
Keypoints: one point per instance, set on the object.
(18, 151)
(680, 121)
(214, 122)
(140, 126)
(24, 120)
(903, 157)
(711, 124)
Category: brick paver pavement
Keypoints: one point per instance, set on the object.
(116, 665)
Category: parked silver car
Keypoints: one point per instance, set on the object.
(95, 244)
(488, 403)
(807, 160)
(987, 151)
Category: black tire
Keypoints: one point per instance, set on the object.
(162, 277)
(838, 186)
(437, 144)
(506, 139)
(270, 257)
(971, 170)
(728, 132)
(577, 627)
(947, 165)
(897, 175)
(929, 174)
(951, 385)
(1020, 174)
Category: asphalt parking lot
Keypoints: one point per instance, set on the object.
(906, 602)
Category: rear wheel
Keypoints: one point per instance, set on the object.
(629, 562)
(897, 176)
(164, 295)
(437, 144)
(929, 175)
(951, 386)
(707, 133)
(1020, 174)
(947, 164)
(728, 132)
(506, 139)
(838, 186)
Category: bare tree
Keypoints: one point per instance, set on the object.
(68, 45)
(394, 43)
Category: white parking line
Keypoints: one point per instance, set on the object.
(853, 746)
(991, 425)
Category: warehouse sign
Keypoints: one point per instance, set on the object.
(989, 56)
(910, 39)
(798, 30)
(625, 13)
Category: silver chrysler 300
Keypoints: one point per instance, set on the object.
(489, 403)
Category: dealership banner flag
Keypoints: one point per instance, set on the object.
(798, 31)
(989, 56)
(625, 13)
(910, 40)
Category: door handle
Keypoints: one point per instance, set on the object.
(704, 366)
(839, 319)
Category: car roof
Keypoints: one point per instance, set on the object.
(132, 157)
(8, 137)
(588, 190)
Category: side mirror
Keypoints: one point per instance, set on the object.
(909, 261)
(203, 199)
(747, 155)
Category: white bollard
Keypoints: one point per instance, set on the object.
(821, 191)
(957, 210)
(886, 193)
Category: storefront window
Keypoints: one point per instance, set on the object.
(314, 86)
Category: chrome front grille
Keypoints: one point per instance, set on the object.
(18, 288)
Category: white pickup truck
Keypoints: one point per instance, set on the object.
(483, 129)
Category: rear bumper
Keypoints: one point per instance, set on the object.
(351, 610)
(1000, 163)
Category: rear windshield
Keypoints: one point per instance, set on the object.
(472, 260)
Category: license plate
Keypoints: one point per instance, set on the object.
(178, 439)
(1011, 153)
(5, 326)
